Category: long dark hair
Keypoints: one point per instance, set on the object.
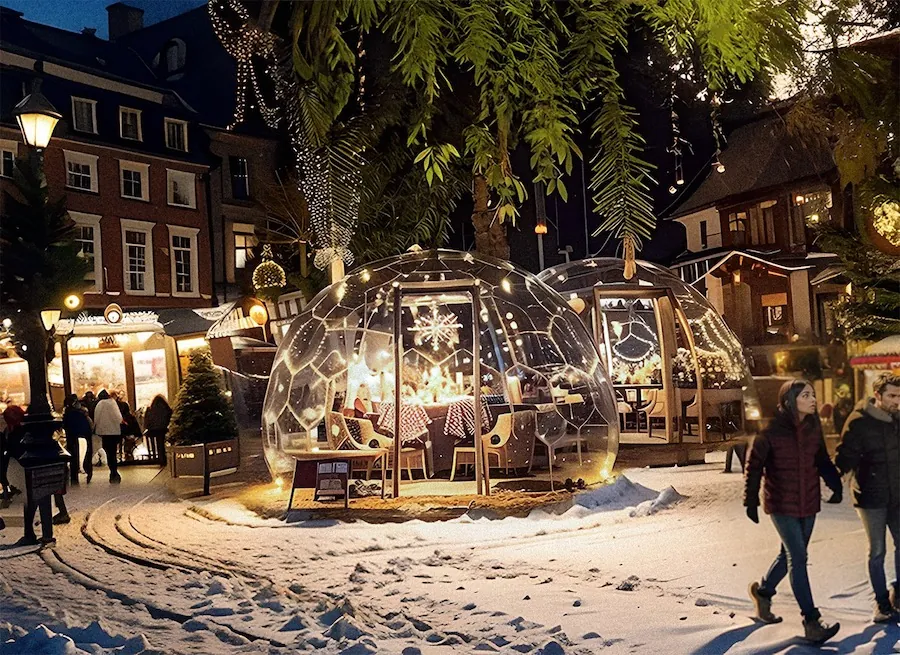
(787, 401)
(158, 403)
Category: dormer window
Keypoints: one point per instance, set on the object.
(130, 124)
(84, 115)
(169, 62)
(176, 134)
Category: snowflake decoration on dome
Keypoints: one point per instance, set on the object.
(437, 328)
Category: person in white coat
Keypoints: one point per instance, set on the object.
(108, 426)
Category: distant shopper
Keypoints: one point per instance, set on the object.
(89, 402)
(156, 425)
(78, 426)
(131, 429)
(790, 453)
(108, 426)
(870, 450)
(10, 446)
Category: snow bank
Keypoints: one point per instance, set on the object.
(93, 639)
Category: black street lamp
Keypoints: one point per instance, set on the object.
(42, 458)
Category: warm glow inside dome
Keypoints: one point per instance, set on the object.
(545, 397)
(658, 337)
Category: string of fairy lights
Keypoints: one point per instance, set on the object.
(256, 50)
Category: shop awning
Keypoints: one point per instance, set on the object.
(884, 354)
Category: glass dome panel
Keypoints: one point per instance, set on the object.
(536, 363)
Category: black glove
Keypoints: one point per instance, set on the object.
(753, 513)
(836, 497)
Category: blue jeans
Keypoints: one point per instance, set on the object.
(876, 523)
(795, 534)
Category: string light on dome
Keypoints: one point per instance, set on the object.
(269, 273)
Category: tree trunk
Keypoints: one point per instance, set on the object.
(490, 234)
(30, 332)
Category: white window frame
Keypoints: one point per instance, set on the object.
(130, 225)
(135, 166)
(184, 133)
(13, 148)
(140, 132)
(192, 234)
(173, 175)
(93, 104)
(92, 220)
(81, 158)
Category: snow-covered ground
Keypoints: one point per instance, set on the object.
(659, 562)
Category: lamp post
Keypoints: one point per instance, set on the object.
(42, 458)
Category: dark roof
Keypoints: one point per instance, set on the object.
(81, 51)
(180, 321)
(760, 155)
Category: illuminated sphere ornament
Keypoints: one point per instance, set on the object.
(268, 274)
(258, 314)
(72, 301)
(549, 406)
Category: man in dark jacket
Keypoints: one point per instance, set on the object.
(870, 450)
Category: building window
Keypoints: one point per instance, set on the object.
(240, 178)
(130, 124)
(176, 134)
(762, 223)
(243, 248)
(808, 210)
(181, 188)
(7, 162)
(737, 225)
(704, 237)
(137, 246)
(84, 115)
(135, 180)
(81, 170)
(87, 236)
(184, 260)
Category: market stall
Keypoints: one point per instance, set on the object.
(882, 356)
(440, 334)
(675, 365)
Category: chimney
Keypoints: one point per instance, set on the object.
(124, 20)
(89, 31)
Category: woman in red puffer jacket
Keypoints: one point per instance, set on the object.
(791, 455)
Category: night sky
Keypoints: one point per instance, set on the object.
(73, 15)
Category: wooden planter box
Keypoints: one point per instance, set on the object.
(205, 460)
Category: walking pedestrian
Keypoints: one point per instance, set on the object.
(156, 425)
(14, 417)
(108, 426)
(790, 453)
(870, 451)
(78, 426)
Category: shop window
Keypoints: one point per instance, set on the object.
(243, 248)
(240, 178)
(776, 312)
(87, 236)
(84, 115)
(176, 134)
(130, 124)
(184, 260)
(137, 239)
(81, 170)
(762, 223)
(181, 189)
(135, 182)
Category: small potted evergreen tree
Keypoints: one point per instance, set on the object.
(203, 430)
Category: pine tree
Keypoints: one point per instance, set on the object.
(41, 264)
(203, 412)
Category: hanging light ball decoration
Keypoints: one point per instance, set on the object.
(269, 273)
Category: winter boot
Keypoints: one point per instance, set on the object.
(883, 613)
(818, 632)
(763, 605)
(61, 518)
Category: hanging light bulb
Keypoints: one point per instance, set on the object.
(268, 273)
(673, 190)
(679, 176)
(717, 164)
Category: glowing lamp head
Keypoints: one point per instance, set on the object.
(113, 313)
(540, 228)
(37, 118)
(720, 167)
(258, 314)
(72, 302)
(49, 317)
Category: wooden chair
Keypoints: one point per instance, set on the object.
(495, 442)
(655, 409)
(345, 440)
(409, 456)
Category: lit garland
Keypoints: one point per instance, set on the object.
(247, 43)
(268, 274)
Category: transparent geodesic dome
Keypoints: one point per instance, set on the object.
(657, 333)
(546, 400)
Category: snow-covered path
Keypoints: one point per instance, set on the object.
(611, 575)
